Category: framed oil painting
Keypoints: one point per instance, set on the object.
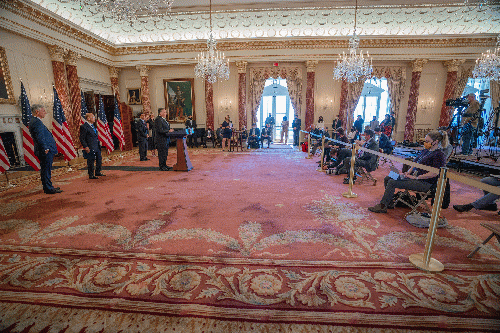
(134, 96)
(179, 99)
(6, 89)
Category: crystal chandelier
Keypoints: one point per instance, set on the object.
(129, 10)
(351, 67)
(479, 3)
(488, 66)
(211, 64)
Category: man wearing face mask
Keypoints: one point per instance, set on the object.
(416, 179)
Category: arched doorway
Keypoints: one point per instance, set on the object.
(276, 101)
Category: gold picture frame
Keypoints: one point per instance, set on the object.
(179, 99)
(134, 96)
(6, 89)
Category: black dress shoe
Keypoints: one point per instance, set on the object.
(100, 174)
(463, 208)
(53, 191)
(378, 208)
(93, 177)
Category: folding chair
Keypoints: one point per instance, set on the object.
(363, 174)
(495, 231)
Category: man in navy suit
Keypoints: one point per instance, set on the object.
(142, 137)
(254, 137)
(44, 147)
(162, 140)
(91, 146)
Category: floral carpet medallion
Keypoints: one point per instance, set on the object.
(319, 261)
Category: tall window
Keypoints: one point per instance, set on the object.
(276, 101)
(374, 101)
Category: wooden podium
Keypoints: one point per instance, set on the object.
(183, 162)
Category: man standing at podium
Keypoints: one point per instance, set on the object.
(162, 140)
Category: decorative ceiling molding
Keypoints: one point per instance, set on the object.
(39, 24)
(32, 14)
(241, 23)
(312, 44)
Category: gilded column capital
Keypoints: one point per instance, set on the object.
(143, 70)
(113, 71)
(242, 66)
(418, 64)
(56, 53)
(453, 64)
(71, 57)
(311, 65)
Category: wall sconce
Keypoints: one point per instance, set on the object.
(327, 104)
(426, 104)
(225, 105)
(45, 100)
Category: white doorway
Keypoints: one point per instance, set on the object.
(276, 101)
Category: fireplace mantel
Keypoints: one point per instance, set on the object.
(13, 124)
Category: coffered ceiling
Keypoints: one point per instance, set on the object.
(263, 19)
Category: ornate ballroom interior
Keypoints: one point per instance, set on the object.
(74, 47)
(238, 245)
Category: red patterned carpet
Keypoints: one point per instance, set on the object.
(253, 241)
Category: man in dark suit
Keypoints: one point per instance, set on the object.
(162, 128)
(191, 130)
(296, 123)
(364, 160)
(44, 148)
(142, 137)
(253, 137)
(358, 125)
(91, 146)
(271, 121)
(336, 124)
(384, 142)
(265, 134)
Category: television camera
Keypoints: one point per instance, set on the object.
(460, 102)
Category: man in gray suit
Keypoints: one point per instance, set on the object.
(45, 148)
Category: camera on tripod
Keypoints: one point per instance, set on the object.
(458, 102)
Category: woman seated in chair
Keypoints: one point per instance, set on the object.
(416, 179)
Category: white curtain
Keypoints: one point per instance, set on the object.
(465, 74)
(258, 77)
(396, 81)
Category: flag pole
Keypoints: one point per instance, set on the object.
(7, 178)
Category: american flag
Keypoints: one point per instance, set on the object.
(29, 153)
(84, 109)
(60, 130)
(103, 128)
(4, 159)
(117, 126)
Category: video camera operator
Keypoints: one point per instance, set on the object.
(470, 120)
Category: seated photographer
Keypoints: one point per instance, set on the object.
(352, 134)
(265, 134)
(416, 179)
(335, 148)
(384, 142)
(218, 135)
(364, 159)
(487, 201)
(319, 141)
(209, 136)
(253, 137)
